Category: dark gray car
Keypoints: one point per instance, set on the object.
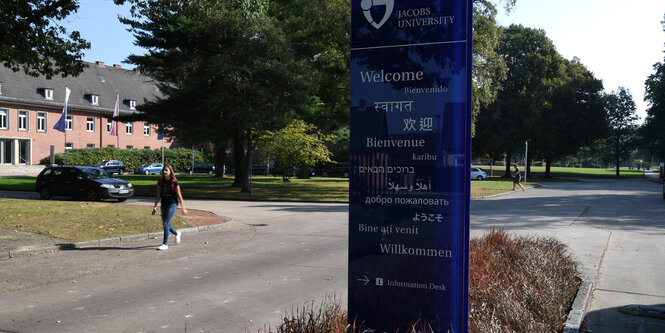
(81, 182)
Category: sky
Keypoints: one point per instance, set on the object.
(617, 40)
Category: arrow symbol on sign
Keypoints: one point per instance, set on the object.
(366, 280)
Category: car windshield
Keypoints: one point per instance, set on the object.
(95, 173)
(145, 165)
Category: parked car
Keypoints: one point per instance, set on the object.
(477, 173)
(259, 169)
(149, 168)
(112, 166)
(336, 170)
(92, 183)
(208, 168)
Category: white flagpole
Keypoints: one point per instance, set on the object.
(67, 91)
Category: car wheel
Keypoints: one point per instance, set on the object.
(346, 174)
(45, 193)
(325, 174)
(122, 199)
(121, 172)
(210, 172)
(93, 195)
(147, 172)
(480, 178)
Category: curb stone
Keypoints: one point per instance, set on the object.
(105, 241)
(576, 314)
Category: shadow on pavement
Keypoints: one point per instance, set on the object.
(72, 247)
(621, 322)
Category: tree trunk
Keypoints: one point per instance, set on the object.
(245, 188)
(508, 157)
(239, 159)
(220, 157)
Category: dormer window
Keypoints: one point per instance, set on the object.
(92, 98)
(130, 102)
(48, 94)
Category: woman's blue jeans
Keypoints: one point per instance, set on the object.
(167, 214)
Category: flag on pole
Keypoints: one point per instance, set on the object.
(116, 112)
(60, 125)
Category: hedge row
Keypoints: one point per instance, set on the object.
(179, 158)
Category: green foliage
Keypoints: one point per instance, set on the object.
(179, 158)
(296, 145)
(622, 119)
(533, 68)
(33, 41)
(653, 129)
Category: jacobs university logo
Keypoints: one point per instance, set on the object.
(367, 5)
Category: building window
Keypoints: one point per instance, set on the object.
(4, 119)
(69, 145)
(132, 105)
(94, 99)
(146, 147)
(90, 124)
(48, 94)
(111, 146)
(69, 123)
(41, 121)
(130, 129)
(22, 120)
(90, 145)
(130, 147)
(108, 126)
(146, 129)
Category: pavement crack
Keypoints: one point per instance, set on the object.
(586, 210)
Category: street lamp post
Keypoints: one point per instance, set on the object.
(526, 158)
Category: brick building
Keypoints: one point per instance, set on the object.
(31, 106)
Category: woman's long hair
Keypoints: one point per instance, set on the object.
(170, 169)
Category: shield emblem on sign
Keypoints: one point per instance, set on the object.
(367, 6)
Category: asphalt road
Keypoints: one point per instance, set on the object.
(275, 257)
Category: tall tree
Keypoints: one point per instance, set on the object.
(33, 41)
(318, 31)
(622, 120)
(653, 130)
(573, 116)
(227, 72)
(533, 67)
(489, 69)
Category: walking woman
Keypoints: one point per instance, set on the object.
(168, 191)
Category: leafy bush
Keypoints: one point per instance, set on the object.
(517, 284)
(179, 158)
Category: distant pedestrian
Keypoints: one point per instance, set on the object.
(517, 179)
(168, 190)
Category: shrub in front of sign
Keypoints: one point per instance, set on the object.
(520, 284)
(517, 284)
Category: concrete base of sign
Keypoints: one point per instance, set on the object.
(576, 314)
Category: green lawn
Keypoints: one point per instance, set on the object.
(77, 221)
(539, 171)
(315, 189)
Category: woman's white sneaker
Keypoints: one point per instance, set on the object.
(177, 237)
(163, 247)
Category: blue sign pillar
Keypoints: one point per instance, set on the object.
(410, 164)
